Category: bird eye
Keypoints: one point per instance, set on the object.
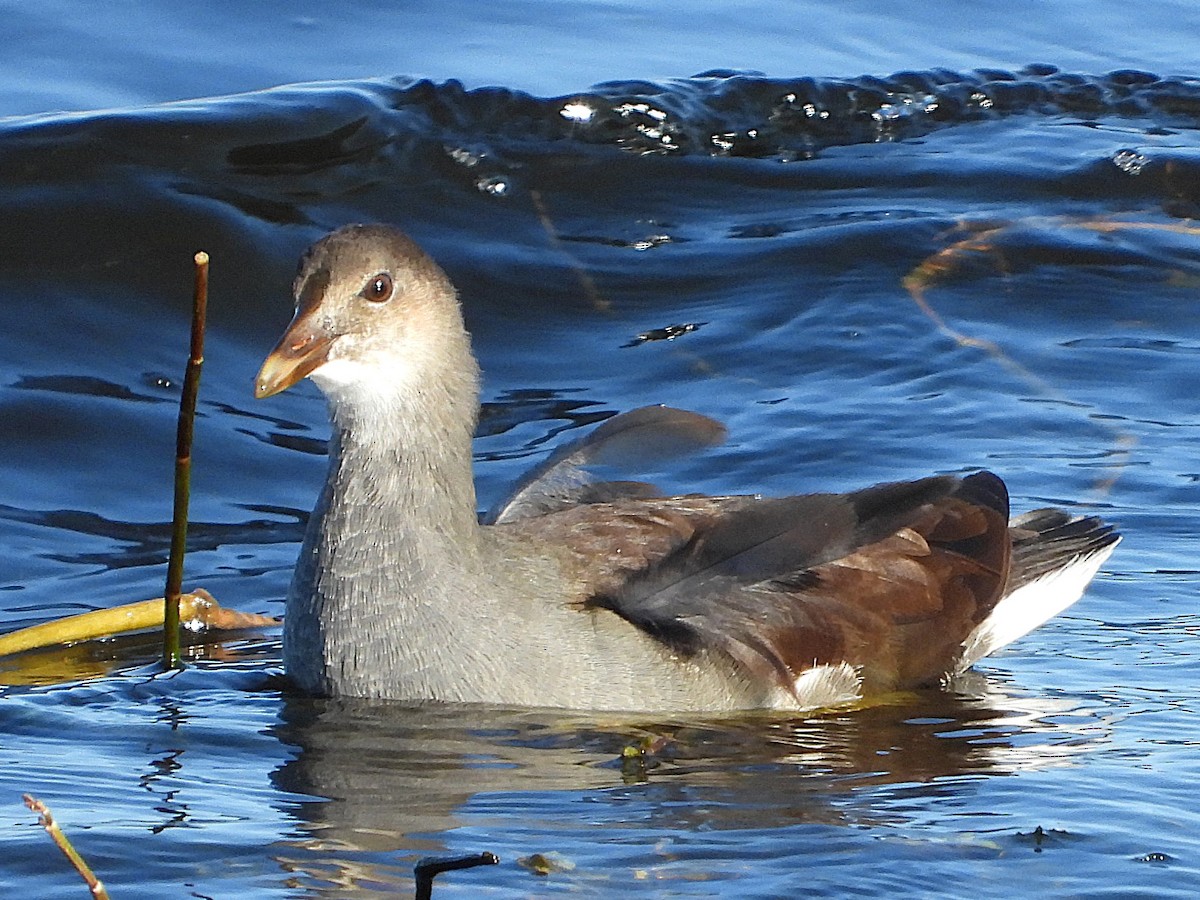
(378, 288)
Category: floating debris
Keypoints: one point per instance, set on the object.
(668, 333)
(544, 864)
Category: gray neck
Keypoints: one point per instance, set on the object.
(392, 578)
(407, 468)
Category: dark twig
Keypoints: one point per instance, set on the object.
(430, 867)
(46, 820)
(183, 466)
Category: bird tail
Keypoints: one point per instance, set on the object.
(1054, 557)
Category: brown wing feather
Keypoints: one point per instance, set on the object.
(899, 609)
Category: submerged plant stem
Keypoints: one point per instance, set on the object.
(428, 868)
(183, 466)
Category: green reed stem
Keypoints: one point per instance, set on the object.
(183, 466)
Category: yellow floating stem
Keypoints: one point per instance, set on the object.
(85, 626)
(196, 610)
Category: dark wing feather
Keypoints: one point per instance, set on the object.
(639, 437)
(889, 579)
(772, 539)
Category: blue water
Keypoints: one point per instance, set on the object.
(1055, 211)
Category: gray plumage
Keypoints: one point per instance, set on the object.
(602, 594)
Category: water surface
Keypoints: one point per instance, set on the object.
(588, 204)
